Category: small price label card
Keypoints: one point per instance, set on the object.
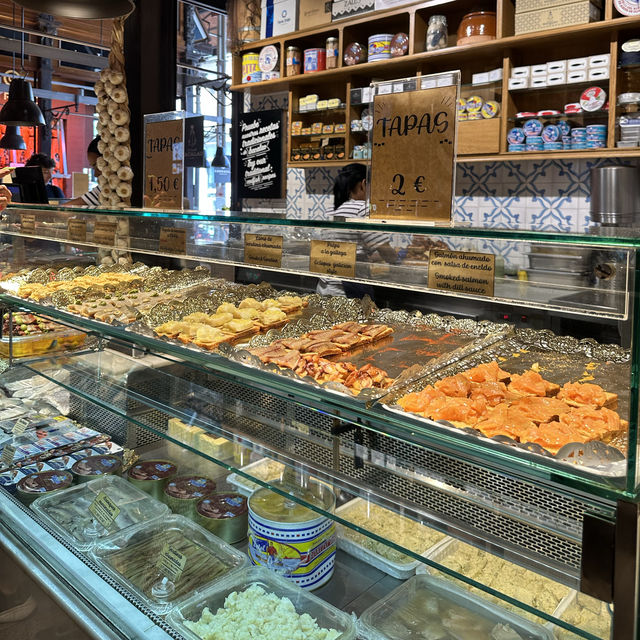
(105, 233)
(8, 454)
(20, 426)
(333, 258)
(104, 510)
(462, 272)
(173, 240)
(263, 249)
(28, 223)
(77, 230)
(171, 562)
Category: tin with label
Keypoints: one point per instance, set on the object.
(250, 62)
(294, 61)
(380, 46)
(291, 539)
(315, 60)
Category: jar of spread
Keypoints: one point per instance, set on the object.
(436, 33)
(294, 61)
(332, 53)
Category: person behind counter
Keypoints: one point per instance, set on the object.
(91, 198)
(46, 164)
(349, 201)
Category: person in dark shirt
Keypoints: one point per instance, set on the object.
(43, 161)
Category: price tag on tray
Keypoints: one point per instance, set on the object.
(171, 562)
(20, 426)
(104, 510)
(8, 454)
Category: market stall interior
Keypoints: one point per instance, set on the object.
(195, 444)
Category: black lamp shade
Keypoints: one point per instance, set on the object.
(12, 139)
(20, 110)
(220, 160)
(87, 9)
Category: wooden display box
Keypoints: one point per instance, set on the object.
(478, 137)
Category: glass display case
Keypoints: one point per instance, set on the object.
(481, 430)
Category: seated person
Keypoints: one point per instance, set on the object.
(91, 198)
(45, 163)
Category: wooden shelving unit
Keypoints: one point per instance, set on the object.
(506, 51)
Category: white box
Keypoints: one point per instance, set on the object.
(278, 18)
(576, 76)
(558, 66)
(599, 73)
(348, 8)
(539, 81)
(576, 64)
(538, 70)
(480, 78)
(428, 83)
(445, 80)
(556, 78)
(495, 75)
(521, 72)
(367, 94)
(518, 83)
(390, 4)
(599, 61)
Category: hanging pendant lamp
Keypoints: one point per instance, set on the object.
(220, 160)
(12, 139)
(86, 9)
(20, 110)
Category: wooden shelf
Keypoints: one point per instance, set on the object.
(554, 155)
(323, 163)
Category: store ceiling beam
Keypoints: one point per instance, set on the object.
(39, 34)
(54, 53)
(57, 95)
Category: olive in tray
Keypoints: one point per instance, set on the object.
(26, 324)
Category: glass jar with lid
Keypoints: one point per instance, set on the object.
(436, 33)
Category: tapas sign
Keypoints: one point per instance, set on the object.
(333, 258)
(462, 272)
(263, 249)
(173, 240)
(164, 164)
(413, 154)
(77, 230)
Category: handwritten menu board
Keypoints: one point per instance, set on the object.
(164, 164)
(263, 249)
(413, 157)
(261, 159)
(333, 258)
(462, 272)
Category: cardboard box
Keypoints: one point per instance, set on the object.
(557, 66)
(603, 60)
(566, 15)
(521, 72)
(559, 77)
(313, 13)
(279, 17)
(576, 76)
(349, 8)
(518, 83)
(522, 6)
(577, 64)
(599, 73)
(391, 4)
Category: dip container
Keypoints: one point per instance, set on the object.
(88, 468)
(151, 476)
(183, 492)
(42, 483)
(225, 515)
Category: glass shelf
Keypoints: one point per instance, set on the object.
(319, 111)
(130, 398)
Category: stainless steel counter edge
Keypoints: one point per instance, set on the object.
(113, 606)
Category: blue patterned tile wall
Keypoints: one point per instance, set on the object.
(543, 195)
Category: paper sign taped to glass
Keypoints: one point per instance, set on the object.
(414, 149)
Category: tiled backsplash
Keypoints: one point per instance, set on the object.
(543, 195)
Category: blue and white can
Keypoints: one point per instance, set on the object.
(516, 136)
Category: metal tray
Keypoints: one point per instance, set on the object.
(561, 359)
(555, 262)
(562, 277)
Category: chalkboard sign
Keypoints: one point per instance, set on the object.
(261, 159)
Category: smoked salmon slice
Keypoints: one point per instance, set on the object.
(493, 393)
(458, 410)
(505, 420)
(586, 394)
(531, 383)
(454, 386)
(489, 372)
(592, 423)
(419, 402)
(541, 409)
(552, 436)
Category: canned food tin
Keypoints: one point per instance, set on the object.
(516, 147)
(151, 476)
(182, 493)
(291, 539)
(354, 54)
(332, 53)
(250, 62)
(516, 136)
(225, 515)
(564, 127)
(92, 466)
(490, 109)
(380, 46)
(43, 483)
(268, 59)
(399, 45)
(474, 103)
(551, 133)
(532, 127)
(593, 99)
(294, 61)
(315, 60)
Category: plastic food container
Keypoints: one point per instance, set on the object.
(364, 548)
(53, 341)
(88, 468)
(225, 515)
(182, 493)
(438, 606)
(265, 469)
(213, 598)
(291, 539)
(132, 555)
(152, 475)
(41, 483)
(67, 512)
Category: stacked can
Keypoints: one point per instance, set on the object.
(596, 136)
(551, 138)
(533, 129)
(579, 138)
(462, 109)
(474, 108)
(516, 138)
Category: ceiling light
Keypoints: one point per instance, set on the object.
(12, 139)
(20, 110)
(87, 9)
